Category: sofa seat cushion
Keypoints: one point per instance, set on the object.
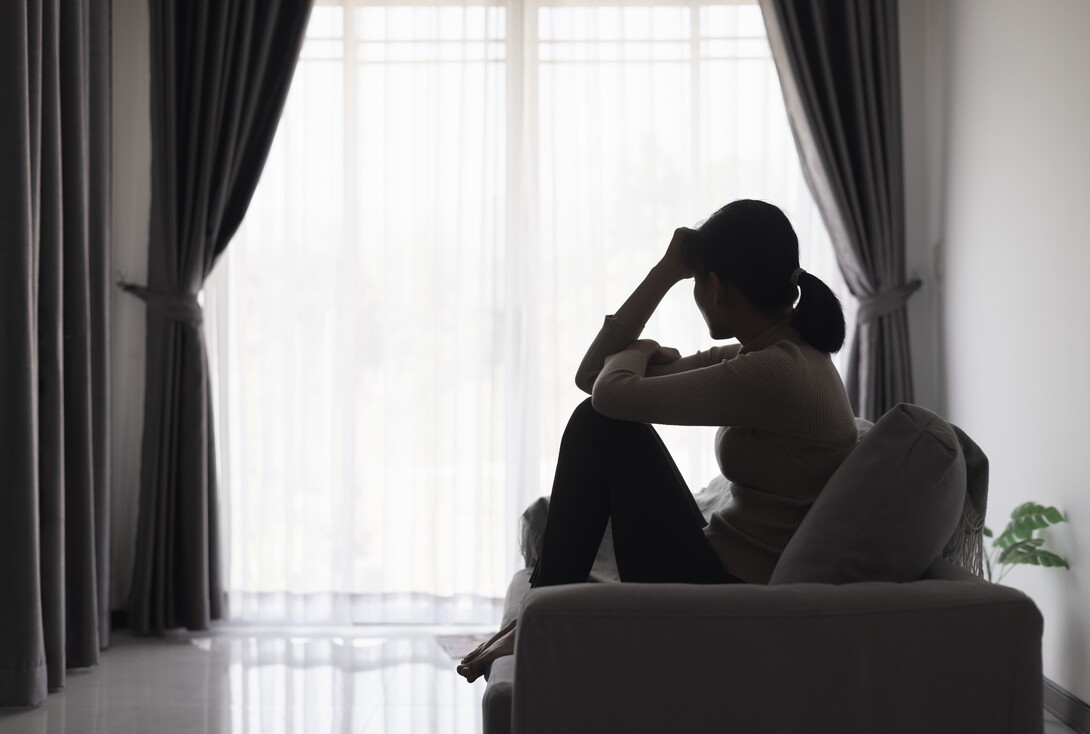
(888, 511)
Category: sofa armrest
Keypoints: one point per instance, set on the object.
(924, 656)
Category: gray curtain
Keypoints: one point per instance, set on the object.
(839, 66)
(220, 72)
(54, 342)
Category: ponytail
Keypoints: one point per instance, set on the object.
(818, 317)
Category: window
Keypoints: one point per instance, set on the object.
(458, 193)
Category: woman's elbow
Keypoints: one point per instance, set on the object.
(604, 400)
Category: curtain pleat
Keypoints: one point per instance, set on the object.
(220, 74)
(50, 352)
(79, 562)
(22, 653)
(99, 104)
(839, 68)
(54, 331)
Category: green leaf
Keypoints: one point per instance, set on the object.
(1020, 549)
(1027, 509)
(1031, 516)
(987, 532)
(1007, 539)
(1037, 557)
(1053, 515)
(1051, 559)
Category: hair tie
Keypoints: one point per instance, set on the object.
(795, 276)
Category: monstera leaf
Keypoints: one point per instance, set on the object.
(1020, 549)
(1018, 544)
(1041, 557)
(1025, 519)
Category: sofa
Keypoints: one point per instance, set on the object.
(873, 621)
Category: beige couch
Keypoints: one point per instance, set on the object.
(932, 649)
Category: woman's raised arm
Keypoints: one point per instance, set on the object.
(625, 326)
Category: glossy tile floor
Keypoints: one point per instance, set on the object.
(271, 681)
(265, 681)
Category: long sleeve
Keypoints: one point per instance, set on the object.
(615, 335)
(754, 390)
(703, 358)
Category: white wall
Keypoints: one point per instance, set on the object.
(1017, 233)
(131, 211)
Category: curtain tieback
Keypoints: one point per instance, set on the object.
(886, 302)
(177, 307)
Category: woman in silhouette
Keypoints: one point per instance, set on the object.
(785, 422)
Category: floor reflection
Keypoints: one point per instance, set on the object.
(360, 680)
(265, 681)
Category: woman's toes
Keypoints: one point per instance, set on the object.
(477, 669)
(503, 644)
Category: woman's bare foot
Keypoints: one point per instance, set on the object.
(484, 645)
(497, 648)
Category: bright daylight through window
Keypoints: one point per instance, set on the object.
(458, 193)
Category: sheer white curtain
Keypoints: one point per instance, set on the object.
(458, 193)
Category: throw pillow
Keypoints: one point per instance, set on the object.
(889, 509)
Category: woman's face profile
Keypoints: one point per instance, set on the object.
(709, 294)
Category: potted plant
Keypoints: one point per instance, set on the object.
(1019, 542)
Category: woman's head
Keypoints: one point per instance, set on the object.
(751, 249)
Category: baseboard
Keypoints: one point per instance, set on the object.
(1068, 708)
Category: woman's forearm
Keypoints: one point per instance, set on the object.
(648, 294)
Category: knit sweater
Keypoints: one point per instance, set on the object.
(785, 425)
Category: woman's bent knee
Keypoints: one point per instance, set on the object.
(585, 414)
(586, 406)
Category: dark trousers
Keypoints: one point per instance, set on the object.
(619, 470)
